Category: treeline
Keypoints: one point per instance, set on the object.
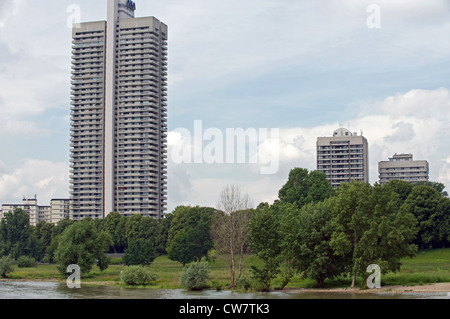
(312, 230)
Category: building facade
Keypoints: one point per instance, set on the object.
(343, 157)
(35, 212)
(403, 167)
(119, 115)
(60, 209)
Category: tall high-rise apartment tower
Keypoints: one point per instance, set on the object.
(343, 157)
(119, 115)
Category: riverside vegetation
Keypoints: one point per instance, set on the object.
(312, 236)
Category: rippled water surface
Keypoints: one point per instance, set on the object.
(51, 290)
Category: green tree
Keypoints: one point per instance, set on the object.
(114, 224)
(439, 187)
(82, 245)
(289, 225)
(402, 188)
(264, 241)
(368, 227)
(443, 222)
(162, 234)
(17, 237)
(138, 226)
(57, 230)
(44, 232)
(189, 237)
(304, 187)
(140, 252)
(315, 257)
(423, 203)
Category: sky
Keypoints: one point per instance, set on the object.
(299, 68)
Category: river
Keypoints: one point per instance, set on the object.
(53, 290)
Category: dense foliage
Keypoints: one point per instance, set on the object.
(311, 231)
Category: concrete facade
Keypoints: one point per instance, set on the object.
(36, 213)
(119, 115)
(403, 167)
(343, 157)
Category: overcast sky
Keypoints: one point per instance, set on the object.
(303, 67)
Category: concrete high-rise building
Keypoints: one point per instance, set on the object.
(119, 115)
(403, 167)
(343, 157)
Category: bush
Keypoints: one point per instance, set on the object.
(6, 266)
(138, 275)
(195, 276)
(26, 262)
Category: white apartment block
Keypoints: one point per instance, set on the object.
(403, 167)
(36, 213)
(343, 157)
(119, 115)
(60, 209)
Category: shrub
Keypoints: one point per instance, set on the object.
(26, 262)
(195, 276)
(138, 275)
(6, 266)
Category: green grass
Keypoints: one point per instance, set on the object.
(427, 267)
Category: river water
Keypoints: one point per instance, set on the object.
(52, 290)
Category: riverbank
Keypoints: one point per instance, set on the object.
(428, 271)
(429, 288)
(395, 289)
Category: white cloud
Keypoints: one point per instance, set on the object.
(43, 178)
(404, 123)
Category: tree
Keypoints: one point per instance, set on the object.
(439, 187)
(114, 224)
(311, 232)
(189, 237)
(82, 245)
(402, 188)
(230, 228)
(138, 226)
(17, 237)
(140, 252)
(304, 187)
(162, 234)
(289, 223)
(265, 243)
(369, 227)
(423, 203)
(443, 222)
(59, 228)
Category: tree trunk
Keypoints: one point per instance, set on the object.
(232, 271)
(354, 271)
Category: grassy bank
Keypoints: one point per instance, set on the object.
(431, 266)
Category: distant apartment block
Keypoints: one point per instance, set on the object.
(60, 209)
(57, 211)
(343, 157)
(37, 213)
(403, 167)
